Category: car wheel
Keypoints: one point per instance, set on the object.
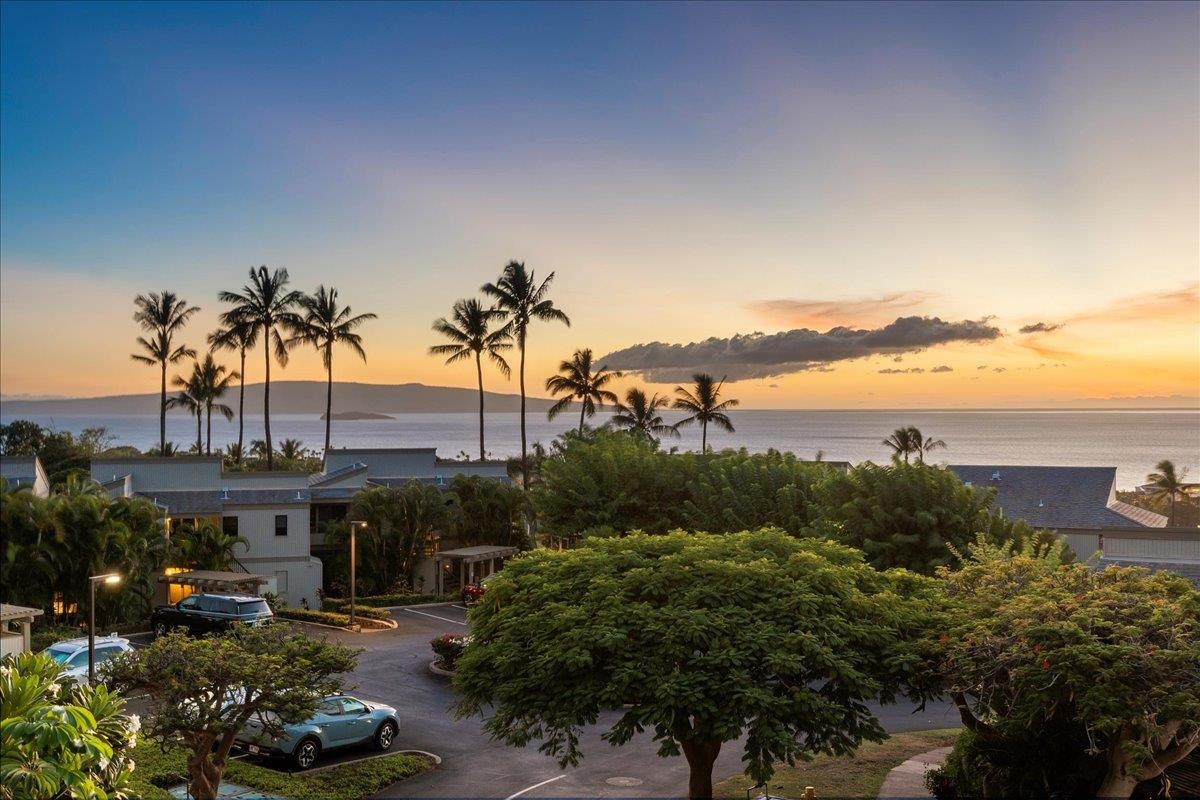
(306, 753)
(385, 736)
(160, 629)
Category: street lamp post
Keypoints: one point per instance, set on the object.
(110, 578)
(355, 524)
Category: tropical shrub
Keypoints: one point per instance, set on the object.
(61, 740)
(339, 618)
(386, 600)
(449, 648)
(1068, 679)
(489, 512)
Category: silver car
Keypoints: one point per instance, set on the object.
(340, 721)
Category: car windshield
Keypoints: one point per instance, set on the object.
(60, 654)
(254, 607)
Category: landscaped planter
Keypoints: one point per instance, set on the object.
(448, 648)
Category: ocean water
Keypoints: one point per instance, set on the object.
(1132, 441)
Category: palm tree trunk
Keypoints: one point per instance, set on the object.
(479, 373)
(1171, 513)
(328, 395)
(241, 407)
(208, 442)
(583, 408)
(267, 393)
(199, 419)
(524, 455)
(162, 414)
(703, 436)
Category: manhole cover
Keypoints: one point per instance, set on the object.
(624, 781)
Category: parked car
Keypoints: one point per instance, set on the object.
(340, 721)
(72, 654)
(206, 613)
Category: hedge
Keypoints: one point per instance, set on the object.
(156, 770)
(333, 618)
(385, 600)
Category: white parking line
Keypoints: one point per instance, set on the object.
(535, 786)
(435, 616)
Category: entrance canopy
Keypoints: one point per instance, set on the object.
(466, 558)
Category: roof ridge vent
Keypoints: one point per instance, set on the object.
(224, 492)
(996, 475)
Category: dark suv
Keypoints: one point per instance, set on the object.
(206, 613)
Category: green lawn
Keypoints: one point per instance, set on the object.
(860, 776)
(156, 770)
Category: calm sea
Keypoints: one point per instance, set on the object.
(1132, 441)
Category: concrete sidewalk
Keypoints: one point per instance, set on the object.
(908, 779)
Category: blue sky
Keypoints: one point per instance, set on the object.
(679, 163)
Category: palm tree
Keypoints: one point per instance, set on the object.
(239, 335)
(639, 414)
(469, 337)
(1167, 484)
(162, 315)
(322, 324)
(578, 381)
(292, 450)
(191, 397)
(522, 299)
(267, 303)
(925, 445)
(704, 405)
(909, 440)
(214, 381)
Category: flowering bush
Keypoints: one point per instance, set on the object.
(449, 648)
(61, 740)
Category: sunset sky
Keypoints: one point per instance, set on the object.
(997, 204)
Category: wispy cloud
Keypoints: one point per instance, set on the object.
(909, 371)
(1181, 303)
(759, 355)
(943, 368)
(795, 313)
(1040, 327)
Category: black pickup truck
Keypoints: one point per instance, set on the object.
(206, 613)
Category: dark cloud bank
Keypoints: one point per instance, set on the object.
(759, 355)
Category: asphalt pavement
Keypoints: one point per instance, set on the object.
(395, 670)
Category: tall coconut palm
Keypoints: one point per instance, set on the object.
(639, 415)
(703, 404)
(925, 444)
(467, 330)
(322, 324)
(522, 299)
(239, 335)
(215, 381)
(901, 443)
(162, 315)
(268, 303)
(1167, 484)
(579, 380)
(191, 398)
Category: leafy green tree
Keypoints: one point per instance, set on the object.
(203, 691)
(1167, 485)
(1042, 657)
(579, 380)
(470, 336)
(239, 335)
(267, 303)
(736, 491)
(639, 415)
(207, 546)
(21, 437)
(61, 741)
(162, 315)
(903, 515)
(702, 403)
(489, 512)
(521, 299)
(702, 640)
(322, 323)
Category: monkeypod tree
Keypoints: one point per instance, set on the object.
(1041, 657)
(699, 638)
(202, 691)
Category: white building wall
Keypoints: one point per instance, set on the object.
(256, 524)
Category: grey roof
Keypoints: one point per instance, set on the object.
(440, 481)
(341, 472)
(328, 493)
(182, 503)
(267, 497)
(1189, 570)
(1056, 497)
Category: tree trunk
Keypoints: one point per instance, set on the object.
(162, 414)
(267, 393)
(328, 396)
(208, 434)
(199, 442)
(1116, 786)
(524, 454)
(479, 373)
(703, 437)
(204, 775)
(700, 757)
(1171, 513)
(582, 410)
(242, 408)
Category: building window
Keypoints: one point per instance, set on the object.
(229, 526)
(281, 524)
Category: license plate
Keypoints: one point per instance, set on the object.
(255, 749)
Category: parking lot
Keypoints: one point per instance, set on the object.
(395, 670)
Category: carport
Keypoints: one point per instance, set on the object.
(180, 583)
(489, 558)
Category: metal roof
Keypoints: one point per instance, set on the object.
(203, 576)
(1057, 497)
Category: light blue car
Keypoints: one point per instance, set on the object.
(340, 721)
